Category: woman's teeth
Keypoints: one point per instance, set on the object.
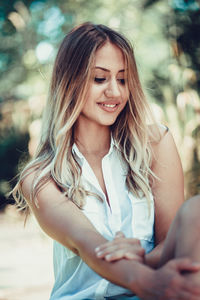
(109, 105)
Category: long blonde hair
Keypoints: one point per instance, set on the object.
(71, 76)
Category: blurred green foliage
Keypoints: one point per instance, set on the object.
(166, 40)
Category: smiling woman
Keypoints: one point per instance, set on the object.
(100, 169)
(107, 95)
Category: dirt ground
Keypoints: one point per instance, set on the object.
(26, 268)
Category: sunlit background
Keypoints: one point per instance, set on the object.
(166, 39)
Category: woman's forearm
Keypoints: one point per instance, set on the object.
(166, 282)
(126, 273)
(65, 223)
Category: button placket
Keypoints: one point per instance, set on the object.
(114, 215)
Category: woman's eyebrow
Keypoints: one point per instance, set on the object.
(106, 70)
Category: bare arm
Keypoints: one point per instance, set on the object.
(168, 191)
(64, 222)
(168, 196)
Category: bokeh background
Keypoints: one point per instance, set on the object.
(166, 39)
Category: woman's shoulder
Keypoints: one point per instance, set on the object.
(29, 183)
(162, 144)
(157, 132)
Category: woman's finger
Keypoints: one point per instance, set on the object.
(101, 253)
(131, 256)
(122, 250)
(117, 246)
(122, 254)
(118, 241)
(119, 234)
(112, 248)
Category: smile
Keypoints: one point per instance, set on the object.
(110, 105)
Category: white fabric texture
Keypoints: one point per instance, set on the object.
(74, 280)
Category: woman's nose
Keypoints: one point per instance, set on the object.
(112, 90)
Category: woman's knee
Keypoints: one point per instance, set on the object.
(189, 213)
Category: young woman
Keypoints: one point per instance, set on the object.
(100, 169)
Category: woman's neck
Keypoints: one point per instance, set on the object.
(92, 139)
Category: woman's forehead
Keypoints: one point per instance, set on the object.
(109, 57)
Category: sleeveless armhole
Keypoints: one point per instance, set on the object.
(166, 129)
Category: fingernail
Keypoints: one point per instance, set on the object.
(196, 264)
(96, 249)
(99, 253)
(108, 256)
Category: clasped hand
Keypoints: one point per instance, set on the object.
(121, 247)
(170, 282)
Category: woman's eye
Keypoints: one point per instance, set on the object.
(99, 79)
(122, 81)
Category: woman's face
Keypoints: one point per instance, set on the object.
(107, 94)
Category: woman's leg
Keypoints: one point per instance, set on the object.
(183, 239)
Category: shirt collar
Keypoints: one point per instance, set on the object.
(77, 152)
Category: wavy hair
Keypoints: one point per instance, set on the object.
(71, 76)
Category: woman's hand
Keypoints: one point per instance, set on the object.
(169, 282)
(121, 247)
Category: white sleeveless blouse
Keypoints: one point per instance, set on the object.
(74, 280)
